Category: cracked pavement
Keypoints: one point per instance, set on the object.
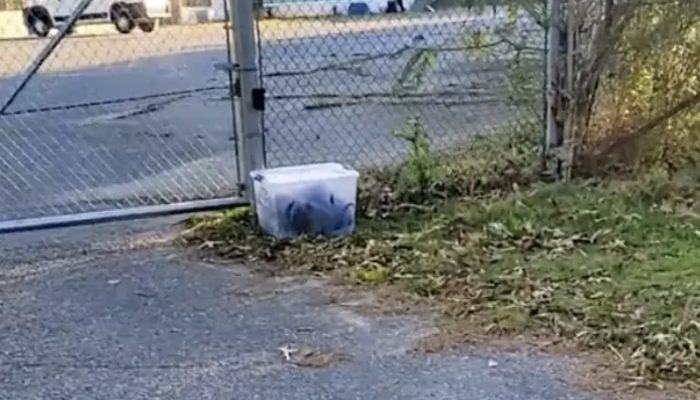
(113, 312)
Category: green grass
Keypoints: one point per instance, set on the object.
(611, 266)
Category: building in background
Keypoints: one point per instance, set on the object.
(199, 11)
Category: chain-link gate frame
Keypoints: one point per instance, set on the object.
(198, 172)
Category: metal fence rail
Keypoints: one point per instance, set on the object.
(339, 87)
(115, 122)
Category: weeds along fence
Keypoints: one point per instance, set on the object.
(624, 87)
(645, 109)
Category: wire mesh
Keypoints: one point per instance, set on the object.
(344, 77)
(113, 120)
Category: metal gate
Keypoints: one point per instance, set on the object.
(99, 125)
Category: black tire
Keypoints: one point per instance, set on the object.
(122, 19)
(39, 21)
(148, 26)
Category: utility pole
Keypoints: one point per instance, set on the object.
(249, 97)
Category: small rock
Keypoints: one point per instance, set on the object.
(493, 364)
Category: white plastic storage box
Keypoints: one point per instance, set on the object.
(313, 200)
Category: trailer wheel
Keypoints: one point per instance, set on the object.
(39, 21)
(122, 19)
(148, 26)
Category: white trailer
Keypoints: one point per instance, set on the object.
(40, 16)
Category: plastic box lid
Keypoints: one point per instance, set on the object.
(302, 173)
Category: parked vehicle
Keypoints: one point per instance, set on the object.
(40, 16)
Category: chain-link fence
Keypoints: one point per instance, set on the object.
(340, 86)
(114, 121)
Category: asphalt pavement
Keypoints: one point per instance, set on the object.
(113, 312)
(333, 95)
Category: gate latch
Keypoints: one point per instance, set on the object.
(230, 68)
(258, 95)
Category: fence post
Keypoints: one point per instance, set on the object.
(554, 132)
(248, 95)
